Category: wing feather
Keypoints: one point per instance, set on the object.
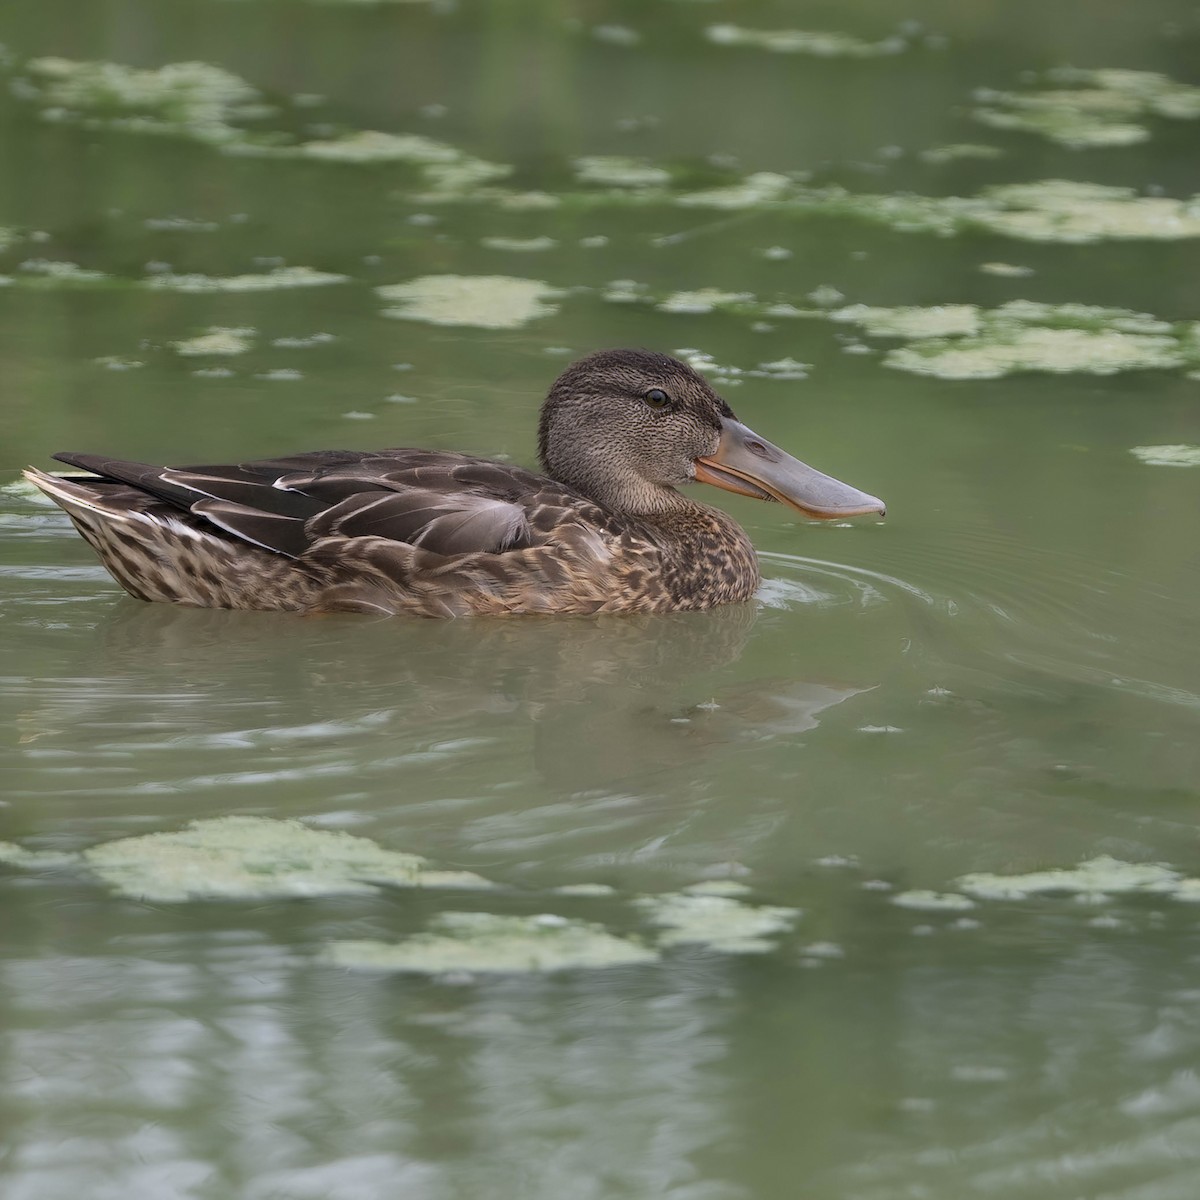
(445, 503)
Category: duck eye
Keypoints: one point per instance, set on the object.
(657, 399)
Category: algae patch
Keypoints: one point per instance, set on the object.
(488, 944)
(18, 856)
(279, 279)
(1082, 109)
(47, 272)
(942, 320)
(484, 301)
(216, 341)
(704, 300)
(204, 103)
(760, 188)
(617, 171)
(193, 99)
(1095, 878)
(698, 916)
(533, 245)
(259, 858)
(956, 151)
(799, 41)
(966, 342)
(927, 901)
(1048, 210)
(1179, 455)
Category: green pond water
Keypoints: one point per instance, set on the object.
(706, 907)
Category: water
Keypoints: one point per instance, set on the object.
(1003, 677)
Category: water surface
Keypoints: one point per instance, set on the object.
(1003, 677)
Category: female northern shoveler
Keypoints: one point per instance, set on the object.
(439, 534)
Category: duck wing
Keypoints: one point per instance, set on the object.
(445, 503)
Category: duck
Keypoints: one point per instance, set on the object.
(602, 528)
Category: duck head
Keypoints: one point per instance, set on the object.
(628, 427)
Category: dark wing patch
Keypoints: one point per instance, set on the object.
(459, 523)
(447, 504)
(284, 535)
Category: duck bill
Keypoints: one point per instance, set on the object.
(752, 466)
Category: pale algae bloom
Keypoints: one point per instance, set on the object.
(782, 368)
(532, 245)
(1006, 270)
(218, 340)
(760, 188)
(1179, 455)
(962, 341)
(1059, 210)
(620, 172)
(369, 145)
(281, 278)
(46, 272)
(704, 300)
(484, 943)
(585, 889)
(1049, 210)
(54, 273)
(1085, 108)
(484, 301)
(927, 901)
(237, 858)
(208, 104)
(1095, 878)
(958, 150)
(942, 320)
(799, 41)
(10, 853)
(116, 362)
(707, 915)
(195, 99)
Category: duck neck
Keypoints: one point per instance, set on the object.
(625, 493)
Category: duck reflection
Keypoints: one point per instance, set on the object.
(603, 699)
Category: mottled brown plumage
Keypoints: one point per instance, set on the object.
(439, 534)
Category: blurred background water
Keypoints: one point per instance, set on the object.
(1004, 676)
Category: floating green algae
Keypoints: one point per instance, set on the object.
(1006, 270)
(533, 245)
(48, 272)
(280, 278)
(1088, 108)
(207, 104)
(940, 320)
(956, 151)
(966, 342)
(18, 856)
(484, 301)
(1025, 348)
(927, 901)
(369, 145)
(484, 943)
(1050, 210)
(760, 188)
(1096, 877)
(256, 857)
(799, 41)
(704, 300)
(1178, 455)
(219, 340)
(1059, 210)
(195, 99)
(697, 916)
(609, 170)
